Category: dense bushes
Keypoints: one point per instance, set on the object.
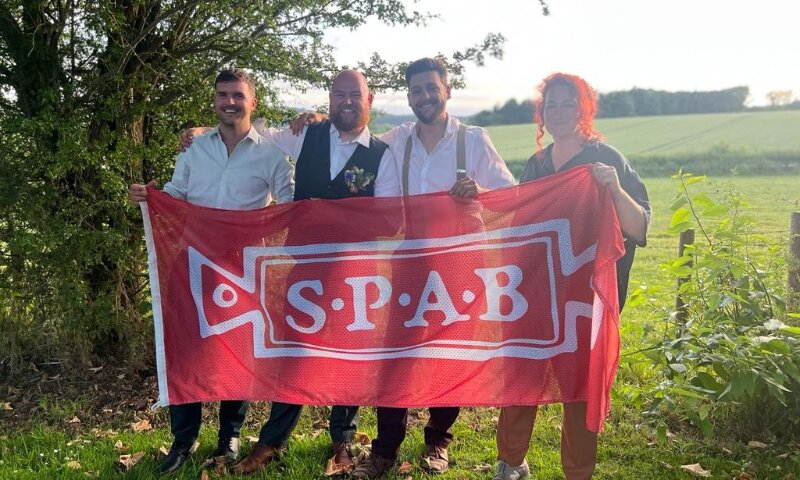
(727, 360)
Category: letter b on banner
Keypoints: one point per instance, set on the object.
(495, 292)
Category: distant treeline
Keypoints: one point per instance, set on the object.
(632, 103)
(642, 102)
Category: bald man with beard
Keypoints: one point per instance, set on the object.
(324, 154)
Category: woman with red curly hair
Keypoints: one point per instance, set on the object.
(566, 110)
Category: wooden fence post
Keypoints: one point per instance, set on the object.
(794, 261)
(687, 238)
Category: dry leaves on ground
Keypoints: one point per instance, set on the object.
(482, 467)
(120, 447)
(126, 462)
(404, 468)
(141, 426)
(6, 406)
(696, 470)
(333, 468)
(219, 464)
(756, 444)
(74, 465)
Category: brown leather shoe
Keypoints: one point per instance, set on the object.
(342, 454)
(435, 459)
(258, 459)
(372, 466)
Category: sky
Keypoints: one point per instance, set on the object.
(614, 44)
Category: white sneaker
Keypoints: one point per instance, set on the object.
(507, 472)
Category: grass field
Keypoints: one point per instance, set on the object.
(52, 447)
(671, 134)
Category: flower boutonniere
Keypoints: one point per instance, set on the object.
(357, 179)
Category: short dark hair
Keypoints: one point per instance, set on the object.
(236, 75)
(426, 65)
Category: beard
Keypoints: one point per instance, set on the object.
(349, 122)
(438, 108)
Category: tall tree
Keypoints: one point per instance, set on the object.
(91, 97)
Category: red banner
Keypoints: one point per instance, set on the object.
(419, 301)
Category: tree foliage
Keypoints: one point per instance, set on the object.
(92, 95)
(642, 102)
(779, 98)
(512, 112)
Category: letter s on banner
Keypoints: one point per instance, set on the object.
(306, 306)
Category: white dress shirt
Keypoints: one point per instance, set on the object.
(436, 171)
(253, 174)
(387, 182)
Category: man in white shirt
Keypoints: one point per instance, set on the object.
(231, 167)
(428, 161)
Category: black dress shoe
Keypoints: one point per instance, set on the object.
(228, 448)
(178, 453)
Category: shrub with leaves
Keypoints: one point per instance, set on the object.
(726, 359)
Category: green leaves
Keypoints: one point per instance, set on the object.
(681, 220)
(727, 354)
(92, 97)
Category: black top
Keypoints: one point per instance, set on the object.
(313, 166)
(541, 165)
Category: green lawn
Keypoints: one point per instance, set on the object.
(51, 447)
(671, 133)
(627, 451)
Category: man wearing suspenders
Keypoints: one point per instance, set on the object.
(438, 153)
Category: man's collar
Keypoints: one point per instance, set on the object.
(450, 127)
(362, 138)
(252, 134)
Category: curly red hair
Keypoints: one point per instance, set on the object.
(587, 106)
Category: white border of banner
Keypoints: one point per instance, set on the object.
(158, 318)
